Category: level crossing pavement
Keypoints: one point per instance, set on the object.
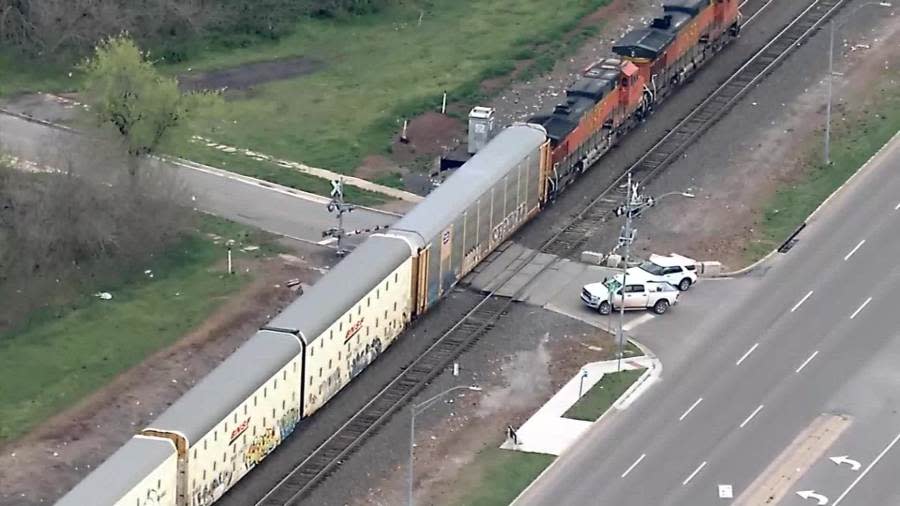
(810, 332)
(277, 209)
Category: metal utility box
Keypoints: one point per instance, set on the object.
(481, 127)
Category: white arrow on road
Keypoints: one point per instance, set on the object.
(843, 459)
(811, 494)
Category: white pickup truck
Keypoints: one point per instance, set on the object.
(638, 294)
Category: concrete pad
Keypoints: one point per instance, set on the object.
(547, 431)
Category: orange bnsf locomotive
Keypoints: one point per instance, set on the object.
(616, 93)
(224, 426)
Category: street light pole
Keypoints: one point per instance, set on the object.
(626, 234)
(414, 410)
(830, 79)
(633, 202)
(833, 25)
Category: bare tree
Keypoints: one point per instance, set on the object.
(68, 230)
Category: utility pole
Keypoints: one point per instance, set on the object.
(833, 25)
(830, 79)
(338, 205)
(627, 236)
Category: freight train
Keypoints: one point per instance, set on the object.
(233, 418)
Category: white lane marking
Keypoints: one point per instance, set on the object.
(636, 462)
(897, 206)
(637, 321)
(747, 420)
(860, 308)
(694, 405)
(854, 250)
(807, 361)
(691, 477)
(866, 471)
(746, 354)
(801, 301)
(326, 242)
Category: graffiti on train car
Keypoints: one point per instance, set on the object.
(261, 446)
(154, 497)
(288, 421)
(364, 357)
(509, 223)
(213, 490)
(240, 429)
(354, 329)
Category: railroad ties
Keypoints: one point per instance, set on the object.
(664, 152)
(486, 314)
(723, 98)
(414, 378)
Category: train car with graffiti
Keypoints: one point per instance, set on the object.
(349, 317)
(225, 425)
(140, 473)
(235, 416)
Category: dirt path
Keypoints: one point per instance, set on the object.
(44, 464)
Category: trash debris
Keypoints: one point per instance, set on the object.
(103, 295)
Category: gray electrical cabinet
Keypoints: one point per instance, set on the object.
(481, 127)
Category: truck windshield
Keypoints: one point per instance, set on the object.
(652, 268)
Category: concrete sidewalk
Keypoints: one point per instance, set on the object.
(547, 431)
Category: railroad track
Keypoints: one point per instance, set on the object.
(490, 309)
(581, 228)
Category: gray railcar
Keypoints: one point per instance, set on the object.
(476, 209)
(350, 316)
(140, 473)
(229, 421)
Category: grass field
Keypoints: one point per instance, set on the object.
(55, 360)
(378, 70)
(375, 71)
(866, 129)
(499, 476)
(602, 395)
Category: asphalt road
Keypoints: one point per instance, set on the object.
(742, 381)
(276, 209)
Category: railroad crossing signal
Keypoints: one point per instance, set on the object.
(338, 205)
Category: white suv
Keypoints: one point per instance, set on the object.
(673, 269)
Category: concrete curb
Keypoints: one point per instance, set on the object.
(45, 123)
(361, 183)
(656, 366)
(636, 389)
(812, 215)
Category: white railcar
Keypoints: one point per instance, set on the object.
(350, 316)
(232, 419)
(140, 473)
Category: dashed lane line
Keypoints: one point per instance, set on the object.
(807, 361)
(632, 466)
(801, 301)
(747, 420)
(744, 357)
(688, 411)
(860, 308)
(897, 206)
(696, 471)
(854, 250)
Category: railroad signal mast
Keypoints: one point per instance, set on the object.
(339, 206)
